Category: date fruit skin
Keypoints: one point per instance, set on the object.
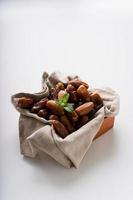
(65, 121)
(74, 116)
(85, 108)
(59, 86)
(53, 117)
(76, 83)
(83, 120)
(59, 128)
(54, 107)
(43, 113)
(61, 93)
(25, 102)
(72, 92)
(83, 93)
(73, 97)
(41, 103)
(96, 99)
(70, 88)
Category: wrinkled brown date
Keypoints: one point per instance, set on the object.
(74, 116)
(54, 107)
(85, 108)
(95, 97)
(76, 83)
(65, 121)
(61, 93)
(83, 120)
(70, 88)
(59, 86)
(25, 102)
(59, 128)
(83, 93)
(41, 103)
(73, 97)
(42, 113)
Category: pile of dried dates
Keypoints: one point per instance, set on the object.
(68, 106)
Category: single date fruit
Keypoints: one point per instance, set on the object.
(41, 103)
(59, 128)
(76, 83)
(84, 108)
(65, 121)
(73, 97)
(83, 120)
(83, 93)
(70, 88)
(74, 116)
(61, 94)
(54, 107)
(59, 86)
(95, 97)
(25, 102)
(42, 113)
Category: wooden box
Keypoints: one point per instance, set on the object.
(107, 124)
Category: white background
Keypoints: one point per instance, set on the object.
(94, 39)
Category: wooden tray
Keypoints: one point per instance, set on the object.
(107, 124)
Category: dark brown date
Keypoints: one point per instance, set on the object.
(41, 103)
(96, 99)
(59, 128)
(74, 116)
(43, 113)
(54, 107)
(76, 83)
(83, 93)
(83, 120)
(73, 96)
(59, 86)
(70, 88)
(65, 121)
(25, 102)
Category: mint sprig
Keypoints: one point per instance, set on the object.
(63, 102)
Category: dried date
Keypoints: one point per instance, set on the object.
(59, 128)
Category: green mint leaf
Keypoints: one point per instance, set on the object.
(69, 107)
(60, 103)
(63, 100)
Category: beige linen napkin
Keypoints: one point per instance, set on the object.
(36, 134)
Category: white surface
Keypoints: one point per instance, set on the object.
(93, 39)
